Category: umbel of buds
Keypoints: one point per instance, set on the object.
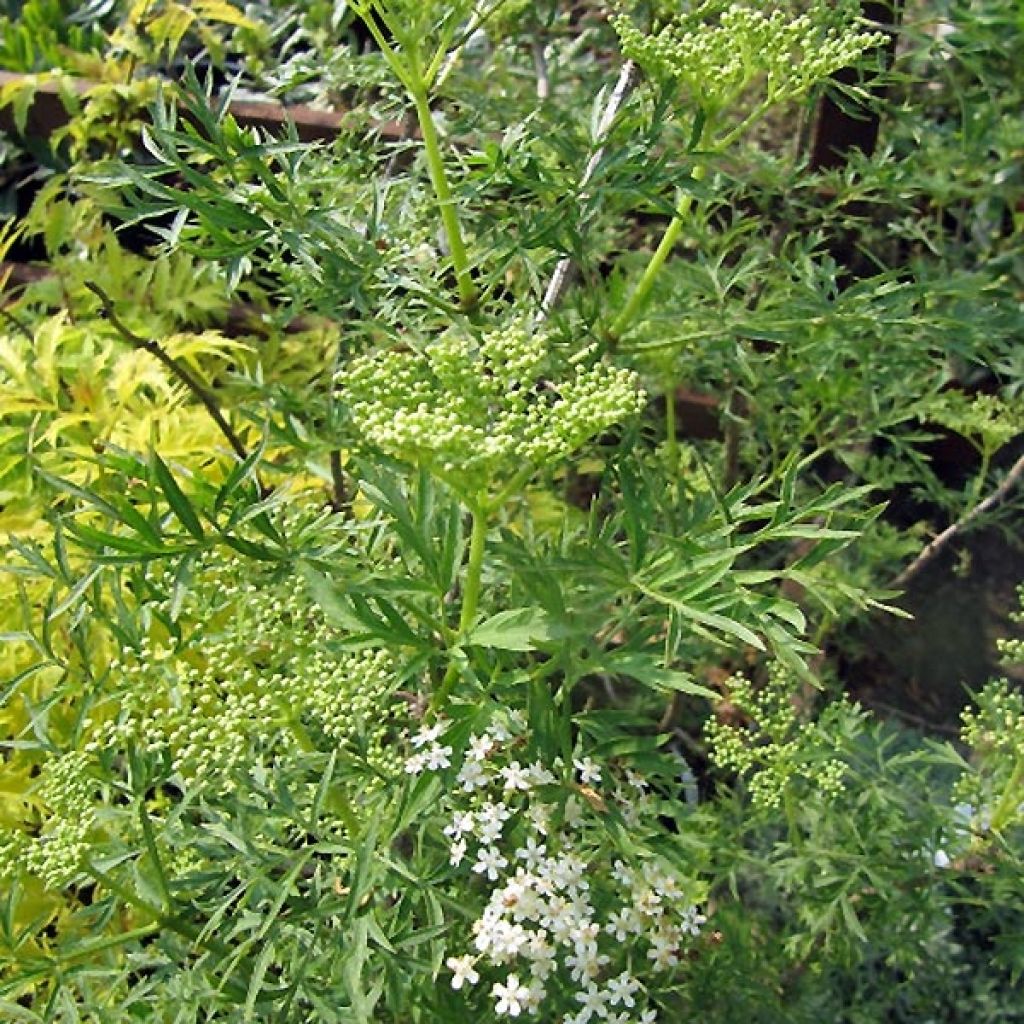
(714, 51)
(479, 411)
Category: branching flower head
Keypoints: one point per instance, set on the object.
(772, 748)
(717, 49)
(479, 412)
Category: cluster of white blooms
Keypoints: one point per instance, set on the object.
(715, 51)
(567, 927)
(253, 676)
(479, 410)
(54, 854)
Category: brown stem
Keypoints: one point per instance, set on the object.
(944, 539)
(175, 367)
(339, 495)
(560, 278)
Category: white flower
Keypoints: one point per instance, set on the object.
(439, 757)
(621, 989)
(624, 922)
(415, 764)
(635, 780)
(539, 814)
(458, 851)
(590, 771)
(585, 935)
(511, 997)
(462, 970)
(429, 734)
(691, 921)
(648, 1017)
(489, 860)
(515, 777)
(493, 812)
(535, 994)
(461, 824)
(539, 775)
(585, 963)
(498, 732)
(533, 853)
(480, 747)
(664, 952)
(471, 776)
(593, 1000)
(941, 859)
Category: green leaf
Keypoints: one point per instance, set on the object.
(518, 629)
(648, 670)
(180, 505)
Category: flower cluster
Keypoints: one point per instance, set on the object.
(567, 927)
(478, 411)
(715, 59)
(771, 747)
(54, 855)
(254, 676)
(1011, 649)
(995, 734)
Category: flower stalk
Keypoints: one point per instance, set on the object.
(642, 292)
(443, 192)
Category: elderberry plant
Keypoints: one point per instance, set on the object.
(416, 684)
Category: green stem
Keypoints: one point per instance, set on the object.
(636, 302)
(470, 597)
(443, 192)
(474, 569)
(671, 443)
(1011, 797)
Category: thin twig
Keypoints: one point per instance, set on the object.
(909, 716)
(339, 494)
(17, 324)
(540, 64)
(560, 277)
(175, 367)
(944, 539)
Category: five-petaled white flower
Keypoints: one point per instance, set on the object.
(511, 997)
(462, 970)
(590, 770)
(430, 733)
(491, 861)
(516, 777)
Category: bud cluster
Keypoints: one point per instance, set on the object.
(715, 53)
(255, 677)
(479, 411)
(55, 854)
(770, 747)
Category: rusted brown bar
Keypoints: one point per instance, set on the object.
(841, 130)
(47, 113)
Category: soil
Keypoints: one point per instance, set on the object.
(924, 671)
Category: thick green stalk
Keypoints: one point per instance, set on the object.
(636, 302)
(443, 192)
(470, 597)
